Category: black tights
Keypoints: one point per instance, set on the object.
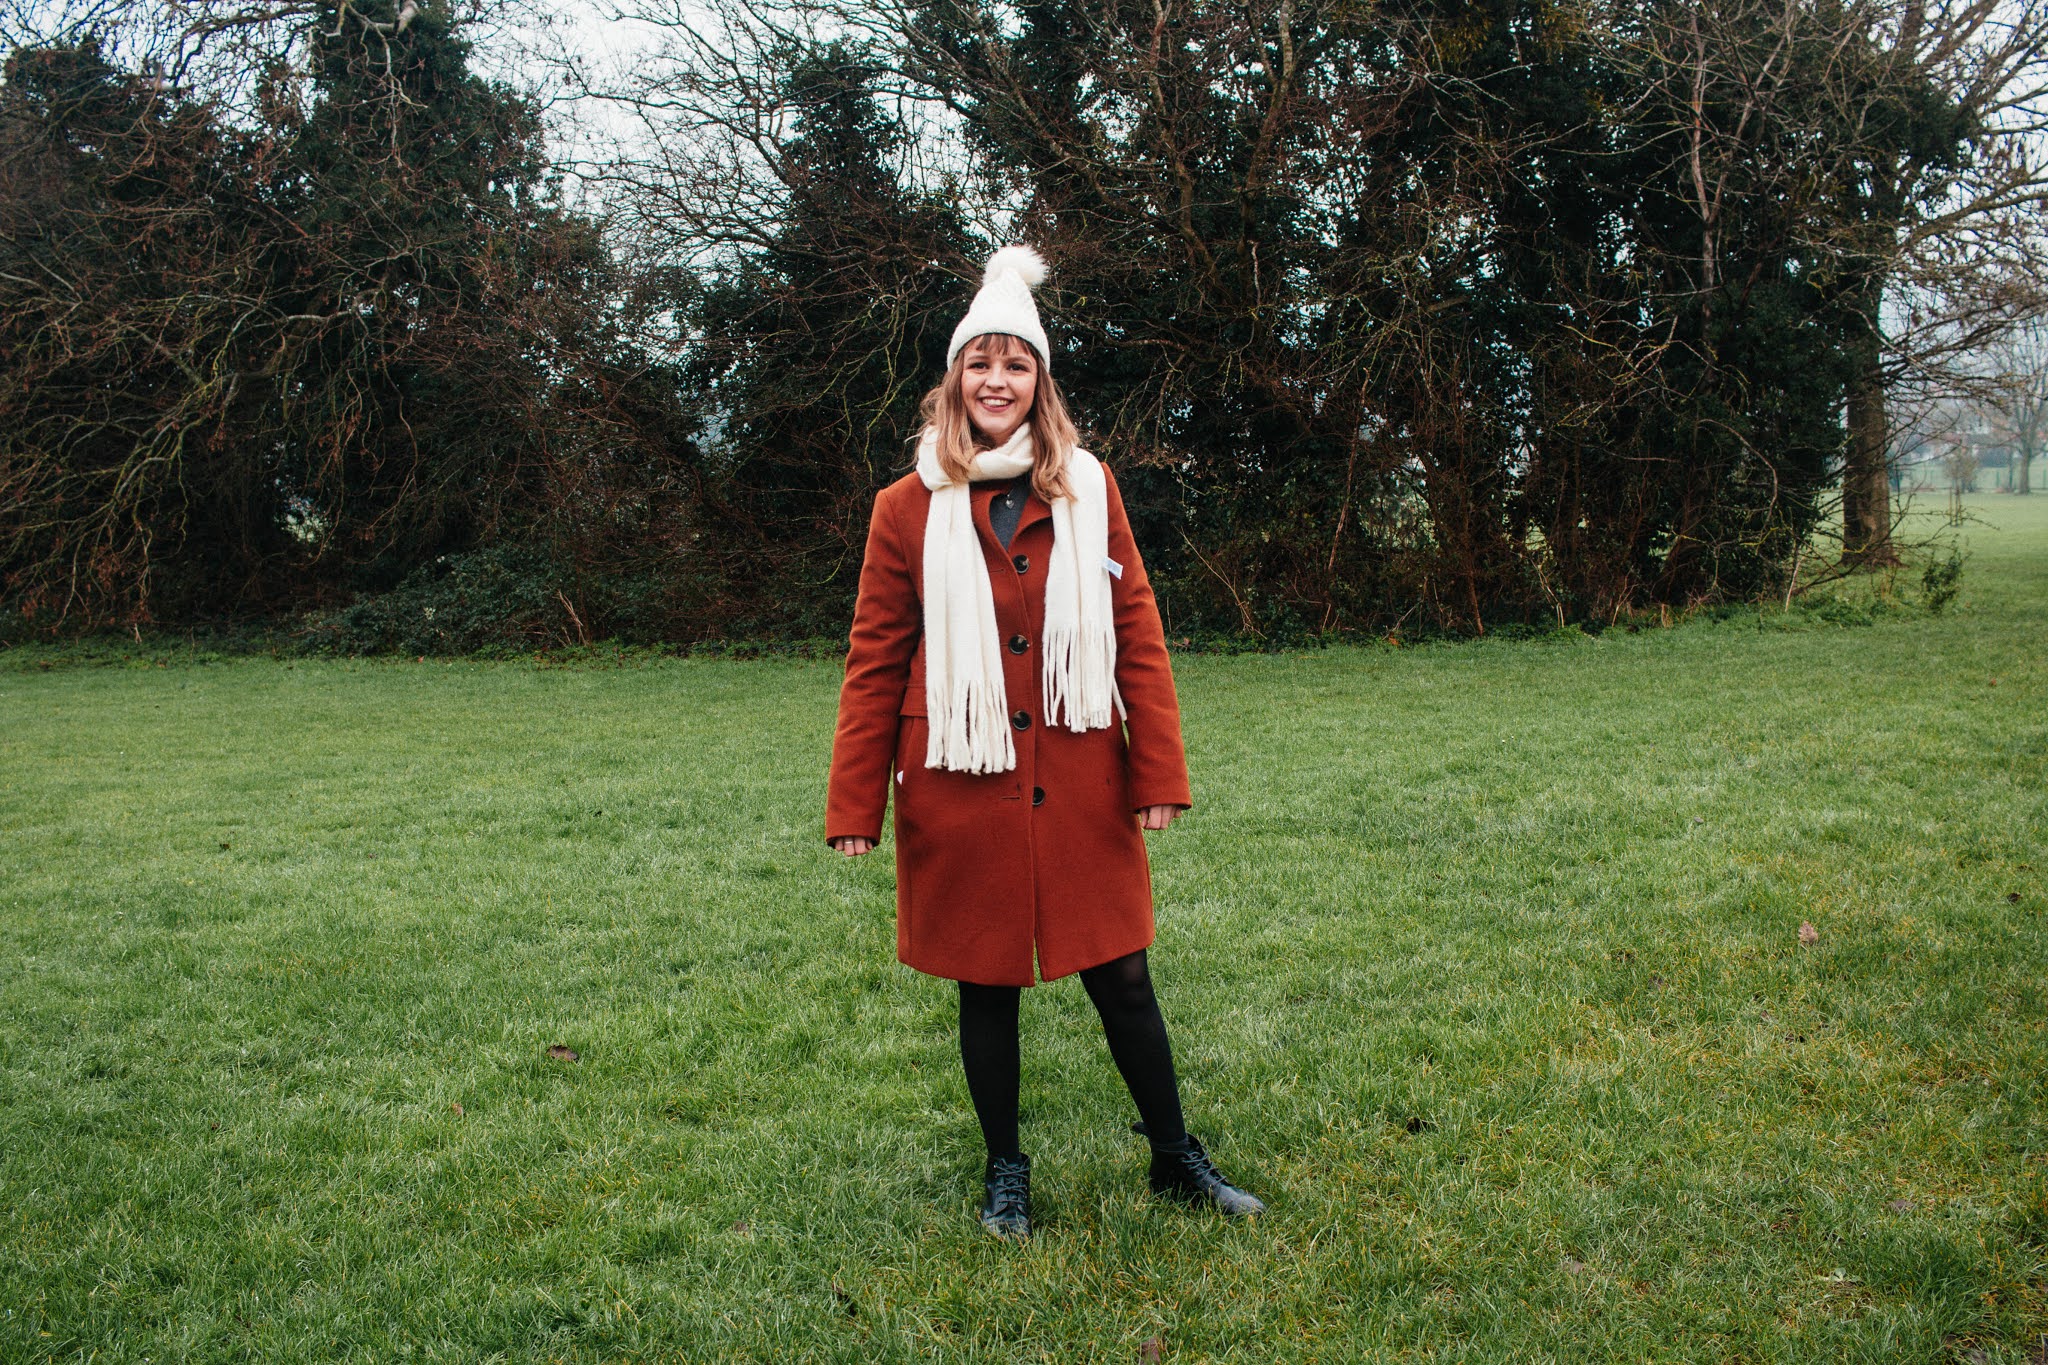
(1122, 992)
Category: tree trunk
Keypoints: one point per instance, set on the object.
(1866, 482)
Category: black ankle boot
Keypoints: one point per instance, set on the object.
(1183, 1171)
(1006, 1204)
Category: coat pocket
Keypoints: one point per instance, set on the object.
(939, 801)
(913, 695)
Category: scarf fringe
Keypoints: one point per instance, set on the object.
(973, 736)
(1079, 678)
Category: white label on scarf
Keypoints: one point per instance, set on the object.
(1116, 570)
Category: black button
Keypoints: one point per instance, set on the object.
(1023, 563)
(1038, 796)
(1021, 721)
(1018, 644)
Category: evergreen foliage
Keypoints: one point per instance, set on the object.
(1438, 315)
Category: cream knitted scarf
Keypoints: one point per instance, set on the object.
(969, 710)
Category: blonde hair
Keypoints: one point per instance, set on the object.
(1053, 434)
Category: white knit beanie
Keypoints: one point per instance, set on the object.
(1004, 303)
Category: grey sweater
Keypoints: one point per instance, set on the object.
(1008, 508)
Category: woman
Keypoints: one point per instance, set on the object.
(1004, 624)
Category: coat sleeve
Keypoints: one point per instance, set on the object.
(887, 620)
(1144, 675)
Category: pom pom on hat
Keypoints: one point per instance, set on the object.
(1021, 259)
(1005, 304)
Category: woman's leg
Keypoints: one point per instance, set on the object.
(1122, 992)
(988, 1052)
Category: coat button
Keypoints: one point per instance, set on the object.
(1023, 563)
(1021, 721)
(1038, 796)
(1018, 644)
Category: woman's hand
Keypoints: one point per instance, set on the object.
(1159, 817)
(853, 846)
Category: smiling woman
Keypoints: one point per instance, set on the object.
(998, 380)
(1006, 643)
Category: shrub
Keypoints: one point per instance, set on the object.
(500, 599)
(1941, 580)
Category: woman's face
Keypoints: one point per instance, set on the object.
(998, 388)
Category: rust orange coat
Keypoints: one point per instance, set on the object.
(1045, 858)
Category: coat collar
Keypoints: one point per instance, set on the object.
(1035, 510)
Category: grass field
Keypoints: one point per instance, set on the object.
(1482, 960)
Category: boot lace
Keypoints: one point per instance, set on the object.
(1008, 1184)
(1199, 1168)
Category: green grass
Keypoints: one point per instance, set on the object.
(1482, 962)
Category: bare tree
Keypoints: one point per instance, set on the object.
(1906, 134)
(1960, 235)
(2019, 364)
(257, 354)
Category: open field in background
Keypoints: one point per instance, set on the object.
(1482, 962)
